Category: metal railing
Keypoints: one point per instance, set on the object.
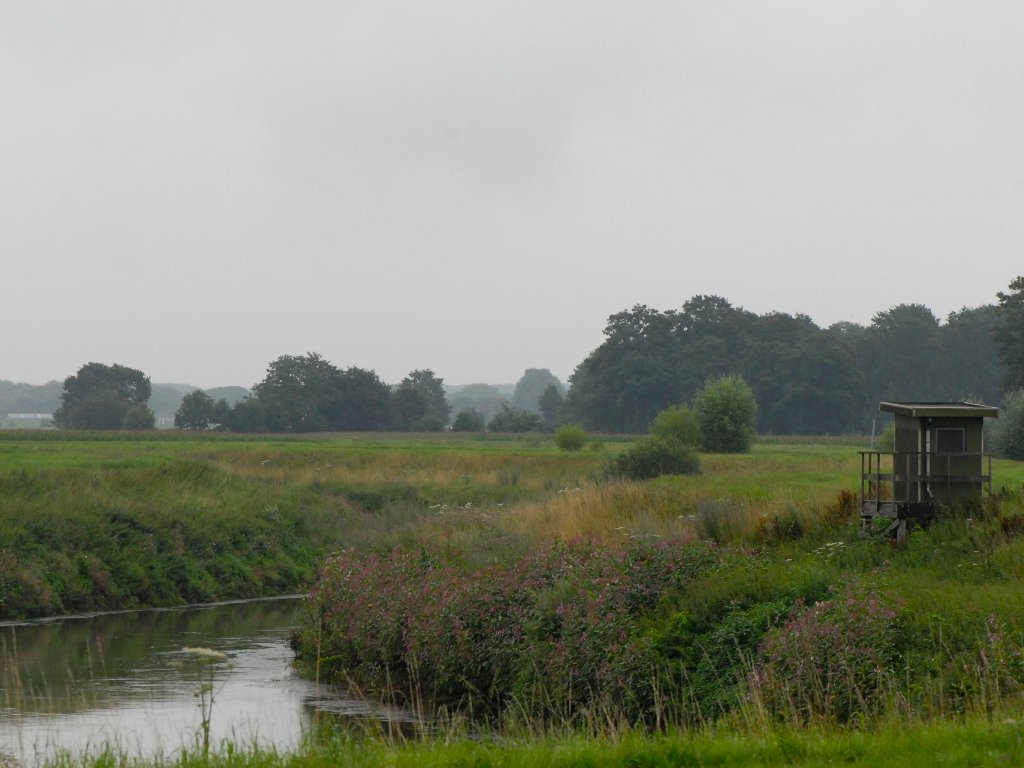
(917, 477)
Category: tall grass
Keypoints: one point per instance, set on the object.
(977, 742)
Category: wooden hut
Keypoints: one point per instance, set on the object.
(937, 461)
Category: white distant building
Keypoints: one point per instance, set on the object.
(27, 420)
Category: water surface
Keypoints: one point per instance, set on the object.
(140, 682)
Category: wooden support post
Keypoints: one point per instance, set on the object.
(901, 531)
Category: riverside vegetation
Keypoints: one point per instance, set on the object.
(735, 617)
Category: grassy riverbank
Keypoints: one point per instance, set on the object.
(93, 521)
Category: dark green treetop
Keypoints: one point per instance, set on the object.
(101, 396)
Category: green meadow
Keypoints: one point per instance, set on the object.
(735, 617)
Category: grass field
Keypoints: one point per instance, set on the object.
(977, 743)
(785, 635)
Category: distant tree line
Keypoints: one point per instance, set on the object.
(806, 379)
(306, 393)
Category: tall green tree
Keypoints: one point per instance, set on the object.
(300, 393)
(971, 358)
(195, 412)
(420, 403)
(366, 402)
(1009, 333)
(632, 376)
(901, 355)
(551, 404)
(102, 396)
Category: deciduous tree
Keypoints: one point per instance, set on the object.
(727, 412)
(1009, 333)
(195, 412)
(420, 403)
(100, 397)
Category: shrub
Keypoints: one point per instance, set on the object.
(726, 411)
(516, 420)
(653, 457)
(470, 420)
(830, 661)
(560, 630)
(679, 422)
(1009, 430)
(570, 438)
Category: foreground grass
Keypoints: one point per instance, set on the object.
(978, 742)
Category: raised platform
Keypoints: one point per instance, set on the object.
(898, 510)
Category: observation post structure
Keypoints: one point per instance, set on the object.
(937, 461)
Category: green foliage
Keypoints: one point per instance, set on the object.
(420, 403)
(299, 394)
(807, 380)
(532, 386)
(981, 741)
(469, 421)
(555, 630)
(306, 393)
(1009, 429)
(570, 438)
(1009, 332)
(514, 420)
(830, 662)
(196, 411)
(727, 413)
(677, 422)
(105, 397)
(147, 531)
(551, 405)
(653, 457)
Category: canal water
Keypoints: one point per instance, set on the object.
(150, 683)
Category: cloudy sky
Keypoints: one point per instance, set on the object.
(195, 188)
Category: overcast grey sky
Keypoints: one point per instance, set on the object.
(195, 188)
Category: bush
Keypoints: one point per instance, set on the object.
(678, 422)
(516, 420)
(726, 411)
(653, 457)
(1009, 430)
(470, 420)
(831, 661)
(559, 630)
(570, 438)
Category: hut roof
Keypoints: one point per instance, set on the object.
(940, 410)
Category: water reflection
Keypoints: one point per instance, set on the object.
(125, 680)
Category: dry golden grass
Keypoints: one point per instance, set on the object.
(767, 495)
